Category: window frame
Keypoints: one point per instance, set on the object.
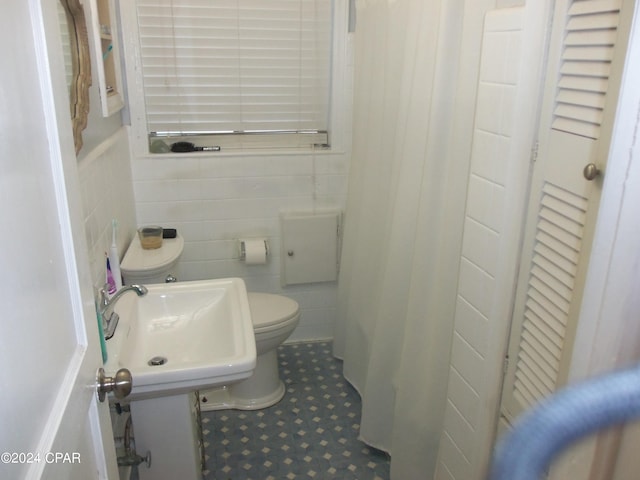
(339, 103)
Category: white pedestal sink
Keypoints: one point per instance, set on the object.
(179, 338)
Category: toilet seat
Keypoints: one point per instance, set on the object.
(269, 311)
(274, 319)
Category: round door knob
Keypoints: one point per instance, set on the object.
(590, 172)
(120, 384)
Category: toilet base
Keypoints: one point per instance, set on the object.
(263, 389)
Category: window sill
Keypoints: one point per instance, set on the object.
(238, 141)
(228, 153)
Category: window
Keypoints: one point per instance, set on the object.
(236, 73)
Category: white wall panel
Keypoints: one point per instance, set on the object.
(505, 118)
(215, 200)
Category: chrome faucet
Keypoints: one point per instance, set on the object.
(109, 317)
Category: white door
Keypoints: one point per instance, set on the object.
(586, 55)
(51, 423)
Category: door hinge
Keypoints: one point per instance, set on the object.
(505, 365)
(338, 242)
(534, 152)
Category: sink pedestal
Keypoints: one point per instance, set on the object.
(176, 339)
(169, 428)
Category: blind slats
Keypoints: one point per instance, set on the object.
(235, 65)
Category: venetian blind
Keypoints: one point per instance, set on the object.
(243, 66)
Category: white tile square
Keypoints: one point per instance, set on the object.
(490, 156)
(486, 203)
(463, 397)
(513, 61)
(452, 459)
(506, 112)
(481, 245)
(471, 325)
(459, 430)
(494, 53)
(489, 107)
(476, 287)
(467, 363)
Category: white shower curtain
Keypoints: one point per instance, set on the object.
(403, 227)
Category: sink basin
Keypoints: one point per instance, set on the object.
(184, 336)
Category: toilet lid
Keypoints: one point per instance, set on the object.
(139, 260)
(268, 309)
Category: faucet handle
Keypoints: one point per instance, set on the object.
(103, 297)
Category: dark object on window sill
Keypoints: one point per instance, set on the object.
(181, 147)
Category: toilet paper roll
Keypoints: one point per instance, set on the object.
(255, 251)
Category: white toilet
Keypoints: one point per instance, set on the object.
(274, 319)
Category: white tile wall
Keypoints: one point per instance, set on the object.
(453, 464)
(215, 200)
(464, 398)
(466, 435)
(107, 193)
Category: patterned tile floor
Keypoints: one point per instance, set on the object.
(312, 433)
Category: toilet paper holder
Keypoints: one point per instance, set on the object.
(243, 249)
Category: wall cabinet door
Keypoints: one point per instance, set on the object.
(107, 52)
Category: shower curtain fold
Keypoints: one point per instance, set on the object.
(396, 289)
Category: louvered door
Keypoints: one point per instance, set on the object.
(584, 63)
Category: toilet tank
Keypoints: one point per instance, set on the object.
(140, 266)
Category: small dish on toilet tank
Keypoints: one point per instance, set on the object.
(150, 237)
